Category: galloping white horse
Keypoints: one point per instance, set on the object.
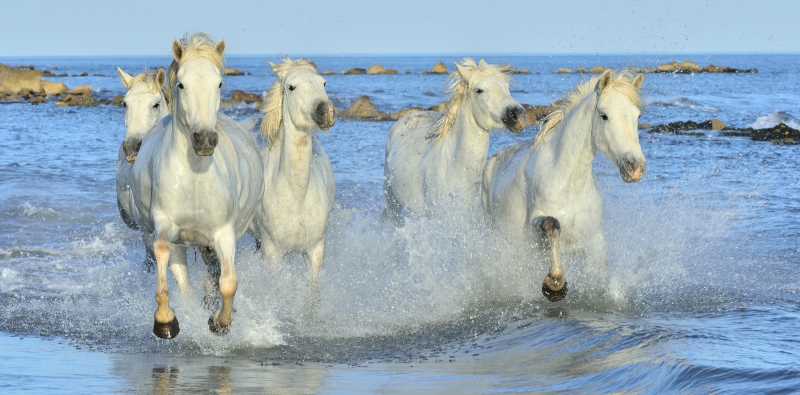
(298, 179)
(434, 159)
(198, 179)
(144, 106)
(541, 188)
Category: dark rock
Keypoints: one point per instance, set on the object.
(356, 71)
(232, 72)
(780, 134)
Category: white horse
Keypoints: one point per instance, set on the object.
(198, 179)
(434, 159)
(144, 106)
(543, 188)
(299, 186)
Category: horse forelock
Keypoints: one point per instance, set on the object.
(459, 86)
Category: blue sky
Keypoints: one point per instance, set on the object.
(140, 27)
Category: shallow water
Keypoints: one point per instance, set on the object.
(703, 257)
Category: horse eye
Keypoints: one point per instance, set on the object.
(220, 85)
(325, 83)
(479, 91)
(180, 85)
(124, 105)
(291, 87)
(155, 106)
(604, 117)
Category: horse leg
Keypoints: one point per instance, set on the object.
(554, 286)
(150, 257)
(225, 249)
(315, 257)
(271, 253)
(177, 266)
(212, 296)
(165, 323)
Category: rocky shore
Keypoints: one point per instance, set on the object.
(778, 134)
(685, 67)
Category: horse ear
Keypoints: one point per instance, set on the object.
(277, 70)
(126, 78)
(604, 79)
(464, 71)
(638, 81)
(221, 47)
(177, 50)
(160, 77)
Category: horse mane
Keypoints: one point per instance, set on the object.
(197, 45)
(458, 88)
(273, 107)
(148, 78)
(622, 82)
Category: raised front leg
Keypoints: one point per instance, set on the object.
(225, 248)
(165, 323)
(554, 286)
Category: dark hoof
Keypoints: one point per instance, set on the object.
(216, 328)
(166, 330)
(554, 290)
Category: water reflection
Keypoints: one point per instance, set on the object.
(191, 374)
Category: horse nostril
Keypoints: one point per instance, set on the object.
(213, 138)
(196, 138)
(138, 145)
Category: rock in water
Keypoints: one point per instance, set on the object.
(781, 134)
(380, 70)
(356, 71)
(439, 68)
(232, 72)
(717, 124)
(364, 109)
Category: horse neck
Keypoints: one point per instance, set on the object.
(571, 146)
(295, 155)
(468, 142)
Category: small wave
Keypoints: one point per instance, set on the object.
(107, 243)
(29, 210)
(683, 102)
(772, 120)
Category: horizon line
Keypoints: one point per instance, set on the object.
(418, 54)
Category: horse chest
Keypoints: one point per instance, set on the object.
(295, 219)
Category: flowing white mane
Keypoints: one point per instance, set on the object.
(459, 87)
(622, 82)
(273, 108)
(194, 46)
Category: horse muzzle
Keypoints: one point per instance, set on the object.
(204, 142)
(631, 169)
(514, 118)
(131, 149)
(325, 115)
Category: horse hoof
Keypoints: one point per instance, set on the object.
(216, 327)
(166, 330)
(554, 290)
